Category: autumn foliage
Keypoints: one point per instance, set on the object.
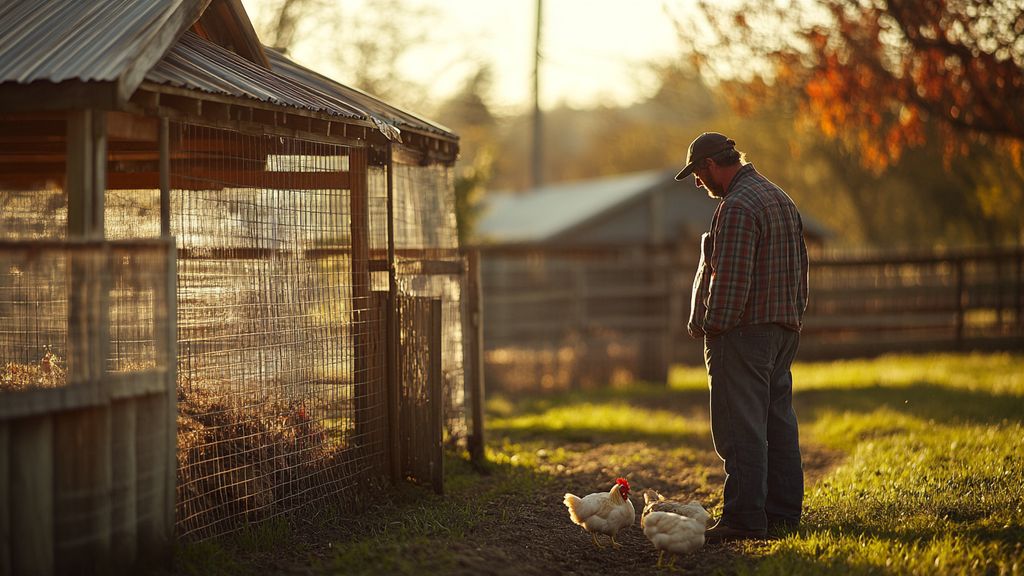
(879, 74)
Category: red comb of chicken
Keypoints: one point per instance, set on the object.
(622, 482)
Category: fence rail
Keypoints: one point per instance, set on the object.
(559, 318)
(914, 302)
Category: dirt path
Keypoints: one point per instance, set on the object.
(542, 540)
(527, 535)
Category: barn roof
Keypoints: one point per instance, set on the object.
(606, 211)
(110, 47)
(547, 212)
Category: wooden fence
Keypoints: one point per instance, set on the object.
(87, 405)
(910, 302)
(563, 318)
(575, 318)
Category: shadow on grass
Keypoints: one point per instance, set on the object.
(924, 400)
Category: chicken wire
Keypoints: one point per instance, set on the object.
(278, 405)
(67, 301)
(281, 378)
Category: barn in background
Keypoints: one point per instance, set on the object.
(589, 281)
(230, 287)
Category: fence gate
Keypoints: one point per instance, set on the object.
(420, 398)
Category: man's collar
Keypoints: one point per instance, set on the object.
(743, 171)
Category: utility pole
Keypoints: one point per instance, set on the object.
(537, 157)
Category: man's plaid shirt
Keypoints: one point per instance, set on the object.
(756, 272)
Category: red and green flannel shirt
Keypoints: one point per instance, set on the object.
(756, 272)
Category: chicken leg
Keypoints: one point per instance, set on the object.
(596, 543)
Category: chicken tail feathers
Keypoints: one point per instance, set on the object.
(571, 502)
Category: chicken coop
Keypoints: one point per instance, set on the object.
(230, 287)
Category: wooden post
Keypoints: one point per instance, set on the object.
(123, 507)
(165, 178)
(379, 381)
(156, 458)
(474, 356)
(359, 228)
(5, 499)
(960, 312)
(436, 393)
(394, 392)
(86, 172)
(169, 359)
(1019, 304)
(82, 440)
(31, 496)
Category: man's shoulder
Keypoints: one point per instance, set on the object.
(748, 179)
(753, 190)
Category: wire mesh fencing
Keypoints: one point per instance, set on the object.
(279, 405)
(282, 281)
(430, 265)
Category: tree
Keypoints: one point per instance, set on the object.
(363, 42)
(467, 113)
(877, 72)
(881, 78)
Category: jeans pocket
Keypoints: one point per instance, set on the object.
(755, 345)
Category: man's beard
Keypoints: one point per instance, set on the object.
(714, 190)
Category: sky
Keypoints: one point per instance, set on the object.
(594, 50)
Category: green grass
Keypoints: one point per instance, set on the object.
(419, 531)
(932, 481)
(934, 478)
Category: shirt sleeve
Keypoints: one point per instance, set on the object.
(735, 234)
(804, 274)
(699, 295)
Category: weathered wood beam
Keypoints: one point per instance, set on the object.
(216, 180)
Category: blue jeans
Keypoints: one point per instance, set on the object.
(754, 426)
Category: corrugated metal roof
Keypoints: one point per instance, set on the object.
(96, 41)
(548, 211)
(197, 64)
(85, 40)
(335, 91)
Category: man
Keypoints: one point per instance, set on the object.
(749, 296)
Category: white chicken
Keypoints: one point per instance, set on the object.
(672, 526)
(655, 502)
(603, 512)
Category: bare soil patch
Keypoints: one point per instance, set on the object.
(532, 534)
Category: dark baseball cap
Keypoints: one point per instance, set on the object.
(704, 146)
